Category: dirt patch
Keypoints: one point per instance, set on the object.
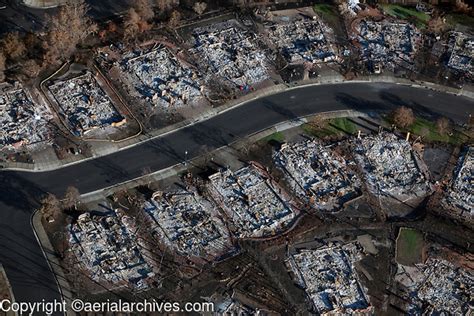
(436, 159)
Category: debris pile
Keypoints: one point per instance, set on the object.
(228, 305)
(391, 167)
(22, 122)
(230, 53)
(254, 203)
(162, 79)
(329, 278)
(388, 44)
(85, 104)
(317, 174)
(438, 287)
(188, 223)
(106, 246)
(303, 40)
(462, 52)
(460, 197)
(447, 288)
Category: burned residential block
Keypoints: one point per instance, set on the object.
(437, 287)
(162, 79)
(447, 288)
(22, 121)
(460, 196)
(253, 202)
(85, 104)
(388, 44)
(302, 39)
(231, 306)
(107, 248)
(462, 52)
(391, 167)
(330, 280)
(317, 175)
(188, 223)
(231, 53)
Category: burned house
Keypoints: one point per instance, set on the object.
(391, 167)
(231, 53)
(387, 44)
(23, 123)
(85, 105)
(107, 248)
(461, 50)
(437, 287)
(188, 223)
(317, 175)
(459, 200)
(163, 79)
(302, 39)
(329, 278)
(255, 204)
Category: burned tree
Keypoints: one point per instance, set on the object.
(200, 7)
(144, 9)
(134, 25)
(50, 207)
(13, 46)
(71, 198)
(175, 18)
(443, 126)
(2, 66)
(403, 117)
(318, 122)
(68, 28)
(30, 69)
(166, 5)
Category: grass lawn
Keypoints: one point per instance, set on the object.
(277, 136)
(344, 124)
(429, 132)
(334, 127)
(407, 13)
(409, 246)
(327, 12)
(456, 18)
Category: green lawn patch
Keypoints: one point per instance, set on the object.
(317, 132)
(323, 8)
(334, 127)
(327, 12)
(454, 19)
(343, 124)
(410, 244)
(420, 19)
(429, 132)
(277, 136)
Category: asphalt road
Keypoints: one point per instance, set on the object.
(14, 16)
(19, 251)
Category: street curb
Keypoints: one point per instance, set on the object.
(259, 94)
(180, 167)
(10, 289)
(53, 263)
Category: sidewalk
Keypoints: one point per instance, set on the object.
(100, 149)
(53, 262)
(201, 160)
(6, 292)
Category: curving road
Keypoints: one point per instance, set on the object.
(20, 254)
(15, 16)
